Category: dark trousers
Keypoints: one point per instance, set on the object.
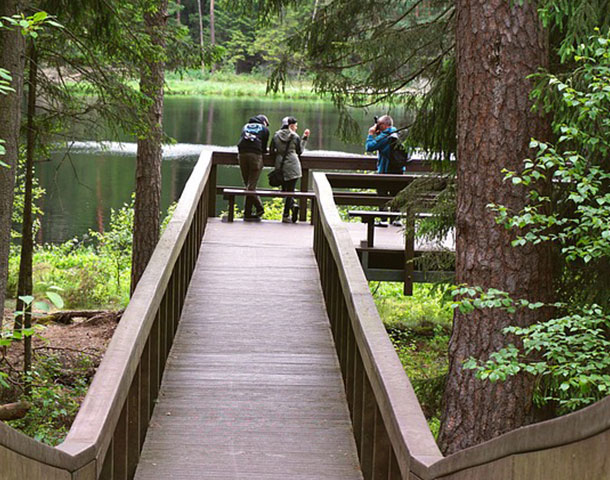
(289, 186)
(251, 166)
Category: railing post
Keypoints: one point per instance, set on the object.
(212, 189)
(382, 449)
(133, 426)
(303, 201)
(409, 253)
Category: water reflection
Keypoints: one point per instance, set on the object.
(85, 183)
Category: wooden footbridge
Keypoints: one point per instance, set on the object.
(255, 351)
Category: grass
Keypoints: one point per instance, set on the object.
(193, 82)
(223, 84)
(88, 278)
(419, 328)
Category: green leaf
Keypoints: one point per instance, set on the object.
(27, 299)
(44, 306)
(55, 299)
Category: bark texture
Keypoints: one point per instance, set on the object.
(497, 47)
(148, 163)
(27, 228)
(12, 47)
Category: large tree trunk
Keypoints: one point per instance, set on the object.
(12, 46)
(497, 47)
(148, 166)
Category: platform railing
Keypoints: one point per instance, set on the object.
(391, 433)
(310, 161)
(108, 432)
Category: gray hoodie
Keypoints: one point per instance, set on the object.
(292, 164)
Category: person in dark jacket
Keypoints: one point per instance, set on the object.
(286, 146)
(251, 147)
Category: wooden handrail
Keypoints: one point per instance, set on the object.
(393, 439)
(573, 446)
(374, 378)
(108, 432)
(106, 400)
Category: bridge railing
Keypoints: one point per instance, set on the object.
(108, 432)
(392, 436)
(389, 426)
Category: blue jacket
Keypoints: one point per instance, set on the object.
(381, 144)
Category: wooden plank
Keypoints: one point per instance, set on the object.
(252, 387)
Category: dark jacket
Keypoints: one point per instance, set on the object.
(285, 140)
(254, 136)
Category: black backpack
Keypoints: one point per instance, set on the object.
(399, 155)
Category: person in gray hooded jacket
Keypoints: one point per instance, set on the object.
(287, 146)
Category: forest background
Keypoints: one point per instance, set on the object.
(553, 241)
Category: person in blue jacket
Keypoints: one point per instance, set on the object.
(379, 140)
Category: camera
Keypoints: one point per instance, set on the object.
(375, 120)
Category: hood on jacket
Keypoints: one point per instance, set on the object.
(262, 119)
(283, 134)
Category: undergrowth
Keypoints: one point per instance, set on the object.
(419, 328)
(58, 386)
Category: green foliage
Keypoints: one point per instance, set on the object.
(568, 182)
(428, 305)
(115, 243)
(88, 278)
(19, 201)
(93, 271)
(5, 82)
(568, 355)
(419, 328)
(29, 27)
(571, 22)
(56, 393)
(224, 83)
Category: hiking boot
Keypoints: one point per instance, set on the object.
(252, 219)
(286, 220)
(295, 214)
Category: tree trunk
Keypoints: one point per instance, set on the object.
(200, 11)
(212, 24)
(27, 230)
(148, 163)
(497, 47)
(179, 12)
(12, 46)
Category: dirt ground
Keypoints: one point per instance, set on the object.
(83, 336)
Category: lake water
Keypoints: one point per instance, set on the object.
(83, 184)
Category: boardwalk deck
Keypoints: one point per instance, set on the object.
(252, 388)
